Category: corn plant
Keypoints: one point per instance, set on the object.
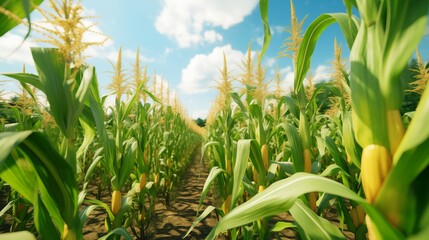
(381, 44)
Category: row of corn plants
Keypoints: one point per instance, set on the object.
(51, 154)
(272, 153)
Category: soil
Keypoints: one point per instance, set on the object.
(170, 223)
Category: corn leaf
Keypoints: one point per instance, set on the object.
(314, 226)
(118, 231)
(23, 235)
(263, 9)
(295, 143)
(311, 36)
(412, 161)
(20, 9)
(243, 152)
(282, 195)
(214, 172)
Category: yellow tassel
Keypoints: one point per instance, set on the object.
(375, 165)
(116, 201)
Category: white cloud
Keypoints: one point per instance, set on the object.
(167, 51)
(322, 73)
(269, 62)
(199, 75)
(260, 41)
(10, 53)
(187, 20)
(212, 36)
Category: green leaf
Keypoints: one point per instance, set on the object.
(23, 235)
(282, 195)
(214, 172)
(203, 215)
(411, 158)
(279, 226)
(295, 143)
(315, 227)
(263, 9)
(21, 9)
(243, 152)
(118, 231)
(27, 78)
(311, 36)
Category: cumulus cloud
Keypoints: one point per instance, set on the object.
(187, 20)
(11, 52)
(199, 75)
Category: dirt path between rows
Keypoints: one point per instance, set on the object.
(175, 222)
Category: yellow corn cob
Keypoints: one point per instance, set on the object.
(261, 188)
(228, 166)
(395, 129)
(156, 179)
(65, 231)
(264, 152)
(307, 160)
(371, 229)
(376, 164)
(116, 201)
(143, 181)
(227, 204)
(361, 214)
(349, 159)
(145, 158)
(355, 217)
(255, 175)
(312, 199)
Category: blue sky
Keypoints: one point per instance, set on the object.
(183, 41)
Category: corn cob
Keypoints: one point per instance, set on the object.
(116, 201)
(264, 153)
(354, 216)
(376, 163)
(65, 231)
(395, 128)
(227, 204)
(307, 161)
(143, 181)
(261, 188)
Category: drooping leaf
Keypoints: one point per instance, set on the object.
(282, 195)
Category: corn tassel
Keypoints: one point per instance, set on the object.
(116, 202)
(376, 164)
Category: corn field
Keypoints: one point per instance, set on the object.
(343, 146)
